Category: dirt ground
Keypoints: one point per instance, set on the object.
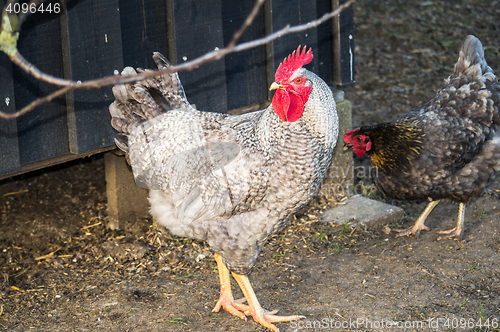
(63, 270)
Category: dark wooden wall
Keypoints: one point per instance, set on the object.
(91, 39)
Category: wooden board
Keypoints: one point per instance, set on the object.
(143, 31)
(245, 71)
(325, 43)
(293, 12)
(9, 143)
(93, 49)
(343, 52)
(198, 30)
(43, 132)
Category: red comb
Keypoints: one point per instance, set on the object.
(348, 134)
(293, 62)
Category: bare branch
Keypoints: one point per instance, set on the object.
(36, 103)
(246, 24)
(29, 68)
(188, 65)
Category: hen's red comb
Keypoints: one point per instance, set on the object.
(293, 62)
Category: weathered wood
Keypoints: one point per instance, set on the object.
(198, 30)
(143, 31)
(245, 71)
(93, 48)
(54, 161)
(126, 200)
(42, 133)
(343, 51)
(325, 42)
(9, 143)
(293, 12)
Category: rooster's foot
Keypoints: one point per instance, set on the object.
(266, 318)
(234, 307)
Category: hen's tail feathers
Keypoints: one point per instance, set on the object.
(470, 69)
(473, 178)
(141, 101)
(471, 60)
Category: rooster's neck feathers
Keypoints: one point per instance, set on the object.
(394, 145)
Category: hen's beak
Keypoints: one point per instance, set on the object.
(347, 146)
(275, 86)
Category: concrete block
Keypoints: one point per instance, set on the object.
(126, 201)
(362, 212)
(340, 174)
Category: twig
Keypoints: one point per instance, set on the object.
(48, 255)
(246, 24)
(28, 67)
(208, 57)
(36, 103)
(90, 226)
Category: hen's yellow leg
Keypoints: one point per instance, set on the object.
(458, 231)
(264, 317)
(226, 300)
(419, 223)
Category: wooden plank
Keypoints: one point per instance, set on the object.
(54, 161)
(198, 30)
(93, 49)
(245, 71)
(293, 12)
(343, 52)
(9, 143)
(126, 200)
(325, 43)
(43, 132)
(143, 31)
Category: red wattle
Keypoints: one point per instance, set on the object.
(296, 107)
(288, 105)
(281, 102)
(359, 152)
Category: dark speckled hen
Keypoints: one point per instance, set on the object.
(231, 181)
(446, 149)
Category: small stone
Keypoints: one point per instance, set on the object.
(362, 212)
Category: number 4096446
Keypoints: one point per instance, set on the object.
(32, 8)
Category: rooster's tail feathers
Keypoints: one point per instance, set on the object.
(141, 101)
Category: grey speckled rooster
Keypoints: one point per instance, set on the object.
(448, 148)
(232, 181)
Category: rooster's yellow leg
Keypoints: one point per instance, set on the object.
(458, 231)
(264, 317)
(226, 300)
(419, 223)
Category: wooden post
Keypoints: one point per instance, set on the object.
(126, 201)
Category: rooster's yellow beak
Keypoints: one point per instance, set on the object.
(275, 86)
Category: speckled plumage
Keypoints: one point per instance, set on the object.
(231, 181)
(448, 148)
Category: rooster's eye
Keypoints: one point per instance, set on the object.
(359, 138)
(298, 80)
